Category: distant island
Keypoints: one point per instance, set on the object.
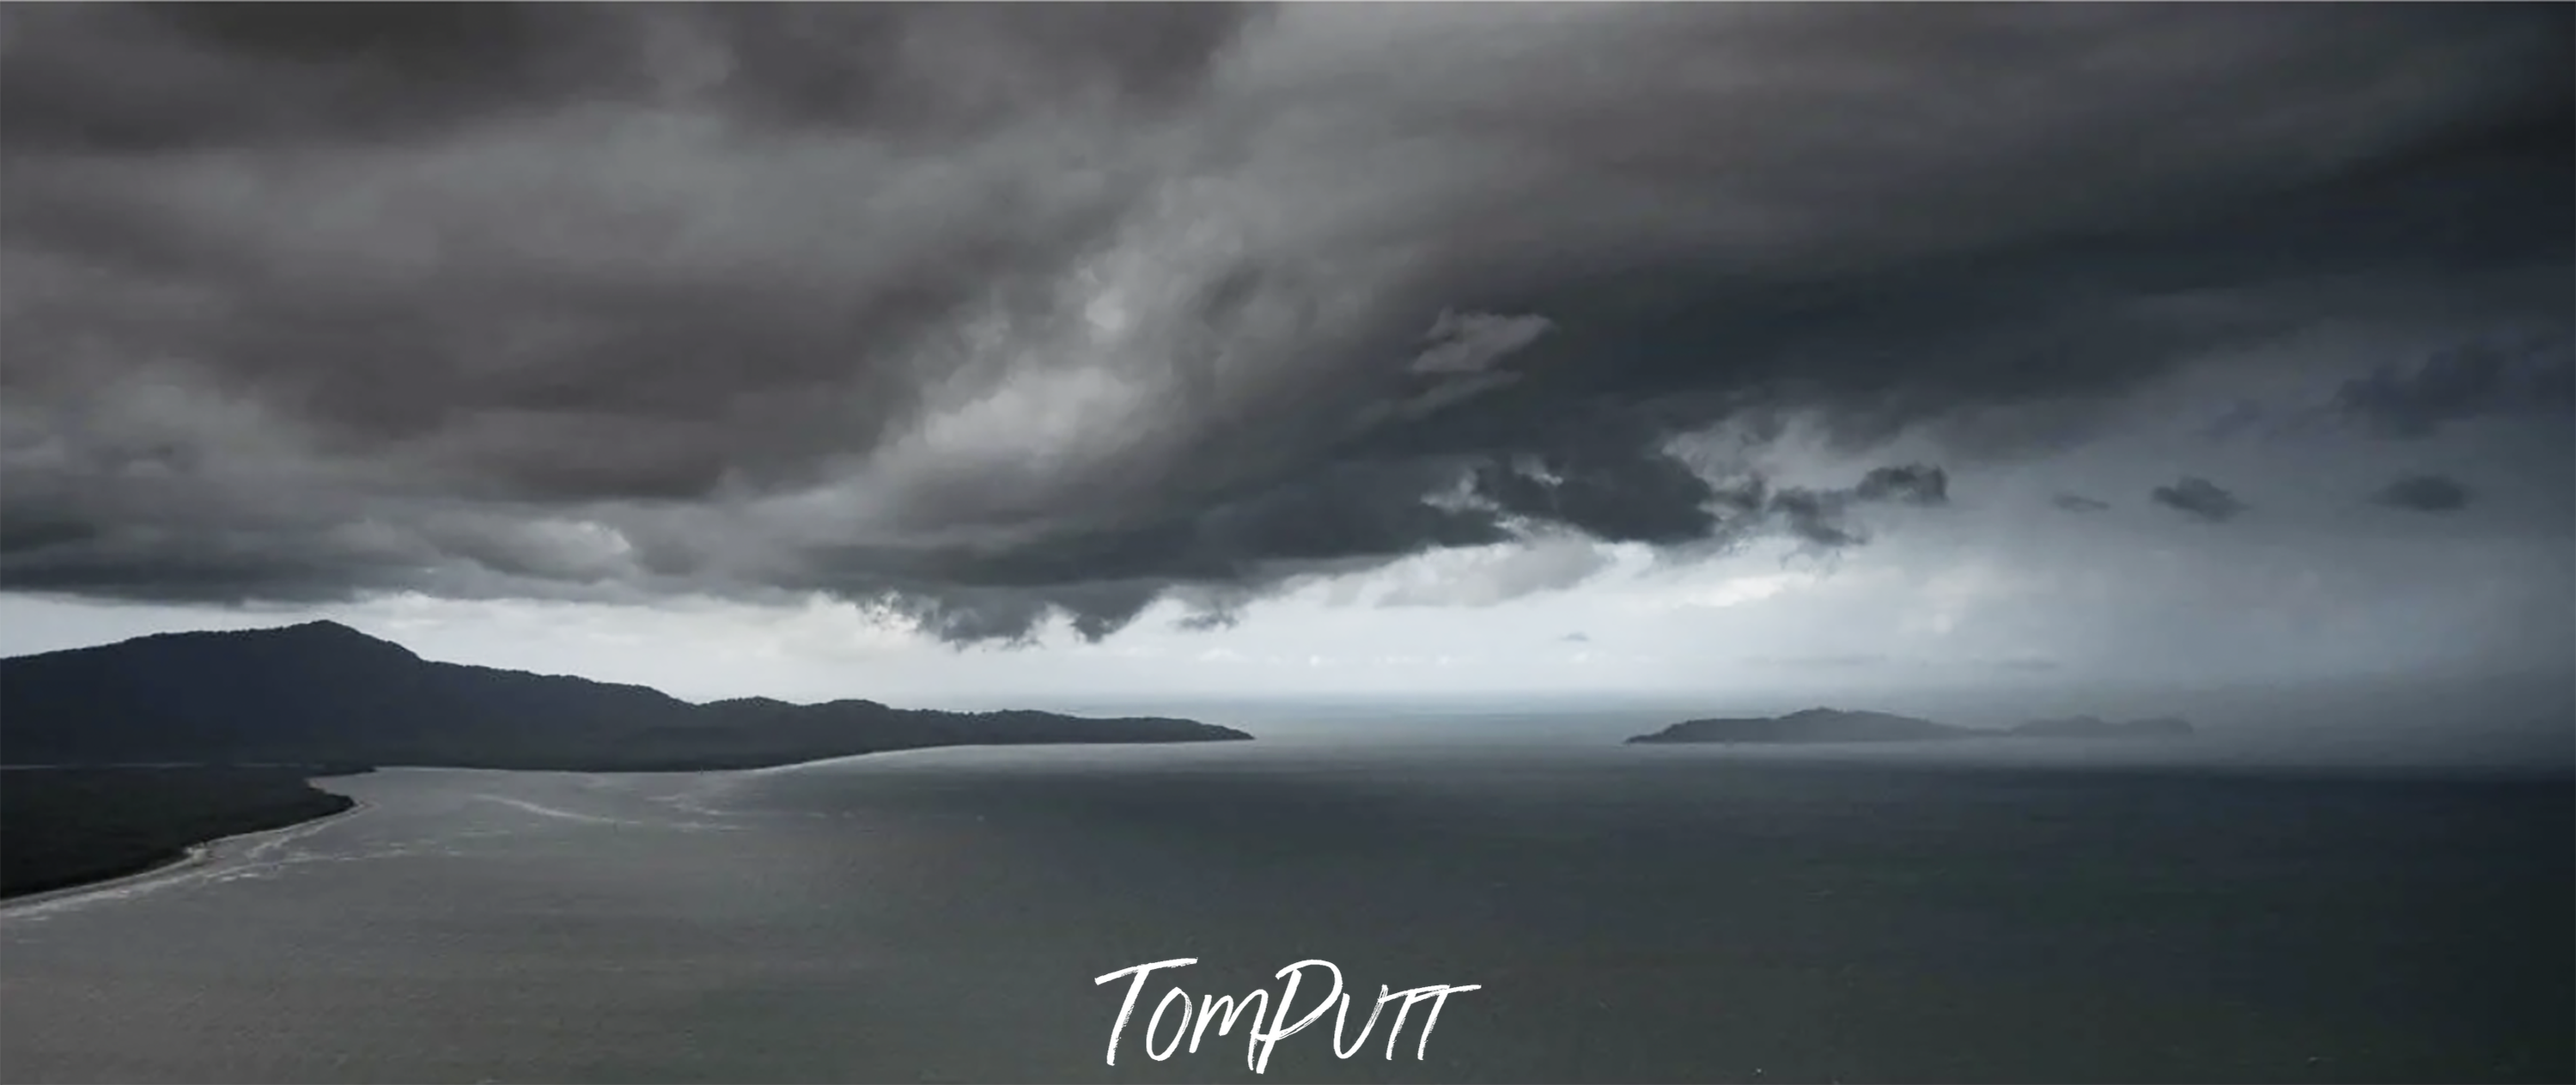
(1810, 725)
(1830, 725)
(323, 693)
(123, 757)
(2095, 727)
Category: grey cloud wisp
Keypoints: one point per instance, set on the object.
(2423, 493)
(1001, 315)
(2199, 499)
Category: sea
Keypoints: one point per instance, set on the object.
(1601, 913)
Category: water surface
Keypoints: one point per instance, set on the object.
(1632, 914)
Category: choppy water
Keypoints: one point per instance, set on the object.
(1632, 914)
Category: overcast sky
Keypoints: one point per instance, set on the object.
(977, 353)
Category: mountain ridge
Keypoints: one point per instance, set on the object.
(323, 692)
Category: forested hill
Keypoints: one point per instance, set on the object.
(66, 827)
(322, 692)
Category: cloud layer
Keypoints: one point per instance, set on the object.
(994, 316)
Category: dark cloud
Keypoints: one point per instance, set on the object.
(1913, 484)
(2078, 503)
(971, 615)
(2423, 493)
(1823, 519)
(1000, 315)
(1616, 490)
(2533, 376)
(160, 78)
(1577, 638)
(2200, 499)
(934, 70)
(165, 77)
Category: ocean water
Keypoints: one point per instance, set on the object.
(1667, 914)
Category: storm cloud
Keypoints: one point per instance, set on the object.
(997, 316)
(2532, 377)
(2423, 493)
(2199, 499)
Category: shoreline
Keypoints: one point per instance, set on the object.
(192, 857)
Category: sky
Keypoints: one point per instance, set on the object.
(984, 354)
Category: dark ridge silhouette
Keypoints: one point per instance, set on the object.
(1835, 725)
(2095, 727)
(322, 692)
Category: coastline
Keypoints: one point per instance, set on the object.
(192, 857)
(195, 854)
